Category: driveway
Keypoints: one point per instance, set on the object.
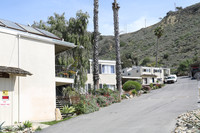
(154, 112)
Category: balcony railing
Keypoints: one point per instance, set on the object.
(61, 71)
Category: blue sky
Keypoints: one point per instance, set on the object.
(132, 13)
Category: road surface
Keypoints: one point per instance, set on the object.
(155, 112)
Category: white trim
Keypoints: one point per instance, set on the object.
(129, 77)
(104, 61)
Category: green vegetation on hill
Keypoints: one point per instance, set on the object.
(180, 41)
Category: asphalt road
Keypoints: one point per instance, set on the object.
(155, 112)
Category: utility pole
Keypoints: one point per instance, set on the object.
(116, 7)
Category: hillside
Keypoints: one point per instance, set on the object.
(180, 41)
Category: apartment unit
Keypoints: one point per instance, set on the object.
(106, 74)
(27, 73)
(148, 74)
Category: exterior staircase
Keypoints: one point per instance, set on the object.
(59, 106)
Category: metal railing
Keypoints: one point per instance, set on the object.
(61, 71)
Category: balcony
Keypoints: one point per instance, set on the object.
(64, 76)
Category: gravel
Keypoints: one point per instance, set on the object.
(188, 122)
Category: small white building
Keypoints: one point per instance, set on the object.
(27, 73)
(107, 74)
(148, 74)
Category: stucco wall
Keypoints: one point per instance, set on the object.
(37, 92)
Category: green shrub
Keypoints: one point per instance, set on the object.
(27, 124)
(67, 110)
(87, 104)
(9, 128)
(115, 97)
(38, 128)
(134, 92)
(129, 85)
(151, 85)
(105, 91)
(123, 96)
(158, 86)
(20, 127)
(102, 101)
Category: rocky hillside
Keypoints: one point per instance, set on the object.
(180, 41)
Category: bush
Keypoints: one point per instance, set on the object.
(146, 88)
(38, 128)
(102, 101)
(87, 104)
(123, 96)
(68, 110)
(151, 85)
(134, 92)
(27, 124)
(115, 97)
(129, 85)
(105, 91)
(158, 86)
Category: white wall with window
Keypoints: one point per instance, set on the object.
(106, 74)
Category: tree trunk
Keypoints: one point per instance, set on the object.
(157, 53)
(95, 47)
(117, 46)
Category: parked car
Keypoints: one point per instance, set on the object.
(171, 79)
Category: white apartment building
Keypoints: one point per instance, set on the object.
(107, 75)
(27, 73)
(148, 74)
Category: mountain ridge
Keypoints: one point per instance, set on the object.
(180, 41)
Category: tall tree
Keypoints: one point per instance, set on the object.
(116, 7)
(95, 46)
(158, 32)
(75, 31)
(77, 34)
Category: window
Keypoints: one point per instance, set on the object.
(108, 69)
(89, 86)
(146, 70)
(157, 71)
(88, 70)
(100, 69)
(153, 80)
(129, 74)
(137, 71)
(112, 87)
(100, 86)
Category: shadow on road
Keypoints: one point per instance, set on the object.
(184, 77)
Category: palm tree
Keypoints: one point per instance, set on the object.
(95, 47)
(116, 7)
(158, 32)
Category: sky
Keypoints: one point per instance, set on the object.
(133, 14)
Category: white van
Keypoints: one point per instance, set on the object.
(171, 79)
